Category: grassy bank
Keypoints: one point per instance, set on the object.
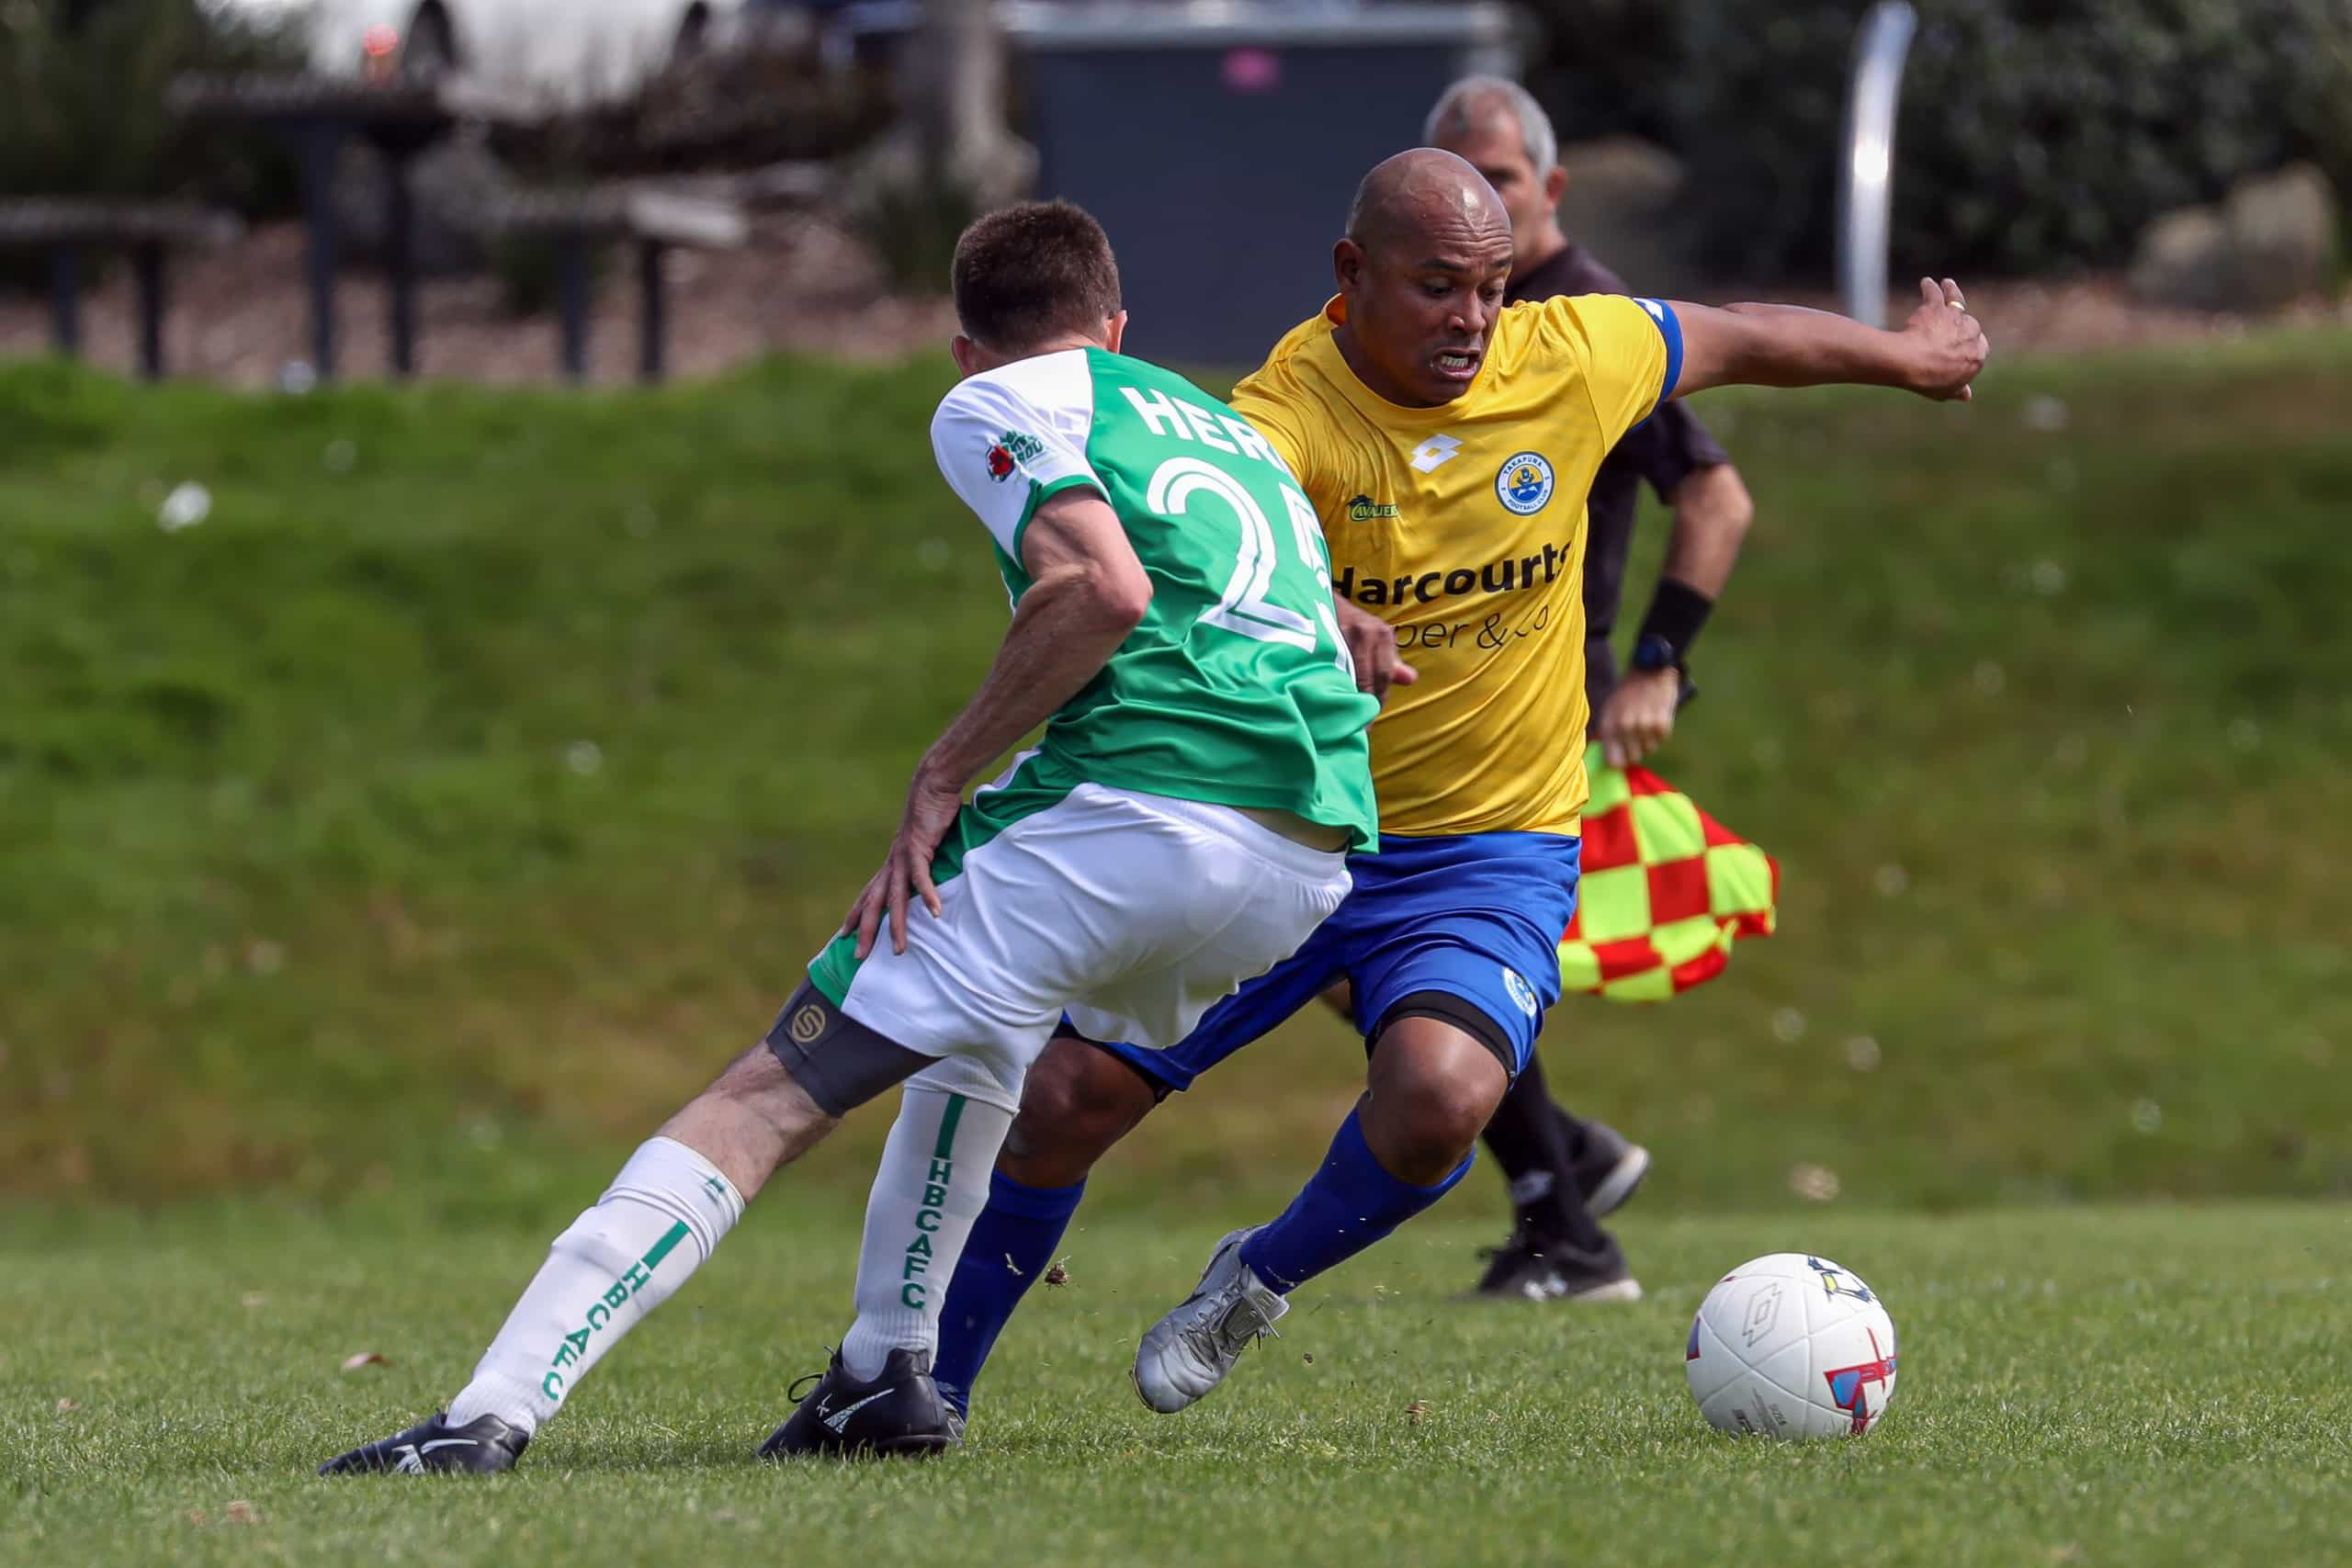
(484, 767)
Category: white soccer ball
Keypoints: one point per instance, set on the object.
(1792, 1345)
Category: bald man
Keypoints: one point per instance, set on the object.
(1448, 445)
(1564, 1173)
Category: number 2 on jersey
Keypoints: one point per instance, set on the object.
(1244, 607)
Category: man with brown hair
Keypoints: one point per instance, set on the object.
(1181, 825)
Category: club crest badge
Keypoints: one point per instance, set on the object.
(1524, 484)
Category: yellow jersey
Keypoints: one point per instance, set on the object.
(1463, 526)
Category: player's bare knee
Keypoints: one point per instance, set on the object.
(1454, 1116)
(1077, 1101)
(763, 1089)
(1420, 1136)
(757, 1085)
(1432, 1087)
(753, 1118)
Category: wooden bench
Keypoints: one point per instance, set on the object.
(68, 229)
(577, 223)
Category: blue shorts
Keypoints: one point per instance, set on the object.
(1478, 916)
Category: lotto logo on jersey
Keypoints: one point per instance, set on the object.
(1435, 452)
(1010, 450)
(1524, 484)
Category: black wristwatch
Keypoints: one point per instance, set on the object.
(1654, 653)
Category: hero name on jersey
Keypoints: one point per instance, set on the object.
(1182, 421)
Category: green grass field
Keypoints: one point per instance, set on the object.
(381, 858)
(2146, 1385)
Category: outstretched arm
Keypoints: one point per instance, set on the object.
(1087, 592)
(1936, 354)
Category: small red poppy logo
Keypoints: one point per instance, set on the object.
(1000, 463)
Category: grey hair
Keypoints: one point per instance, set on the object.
(1458, 111)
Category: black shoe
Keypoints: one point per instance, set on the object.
(1609, 1168)
(899, 1413)
(483, 1444)
(1528, 1269)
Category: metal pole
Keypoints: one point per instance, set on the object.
(1866, 168)
(399, 262)
(147, 267)
(652, 324)
(571, 302)
(65, 298)
(320, 140)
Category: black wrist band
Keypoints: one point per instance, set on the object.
(1677, 612)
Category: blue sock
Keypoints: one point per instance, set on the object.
(1011, 1246)
(1345, 1206)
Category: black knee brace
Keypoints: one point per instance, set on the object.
(838, 1060)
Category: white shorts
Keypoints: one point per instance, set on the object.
(1133, 913)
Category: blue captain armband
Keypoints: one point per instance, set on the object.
(1669, 327)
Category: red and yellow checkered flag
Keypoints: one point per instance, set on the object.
(1666, 890)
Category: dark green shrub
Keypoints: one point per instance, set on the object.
(82, 109)
(911, 226)
(529, 270)
(2036, 135)
(739, 109)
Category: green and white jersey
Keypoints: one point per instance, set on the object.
(1237, 689)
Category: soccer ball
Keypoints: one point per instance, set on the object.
(1792, 1345)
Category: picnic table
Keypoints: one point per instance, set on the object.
(400, 119)
(68, 229)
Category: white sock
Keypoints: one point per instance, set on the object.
(659, 1222)
(931, 1185)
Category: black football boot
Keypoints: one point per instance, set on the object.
(899, 1413)
(482, 1445)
